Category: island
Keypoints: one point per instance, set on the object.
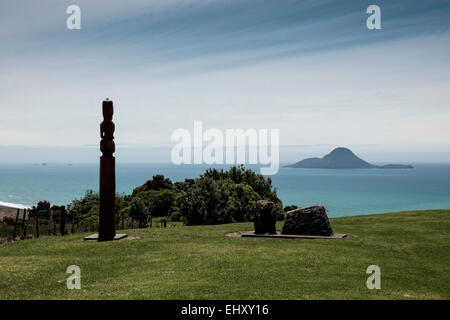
(342, 158)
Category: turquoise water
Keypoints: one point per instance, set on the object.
(344, 192)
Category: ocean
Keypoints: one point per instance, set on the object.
(344, 192)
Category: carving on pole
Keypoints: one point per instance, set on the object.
(107, 225)
(106, 219)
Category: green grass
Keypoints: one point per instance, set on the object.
(200, 262)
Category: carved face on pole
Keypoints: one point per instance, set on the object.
(108, 110)
(107, 127)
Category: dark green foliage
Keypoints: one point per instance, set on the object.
(58, 217)
(280, 212)
(207, 201)
(140, 212)
(243, 202)
(216, 197)
(289, 208)
(175, 216)
(220, 196)
(85, 210)
(238, 174)
(43, 206)
(43, 210)
(183, 186)
(161, 202)
(56, 213)
(158, 182)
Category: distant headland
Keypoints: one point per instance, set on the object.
(342, 158)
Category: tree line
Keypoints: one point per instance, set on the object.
(217, 196)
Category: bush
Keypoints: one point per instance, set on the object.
(207, 201)
(84, 210)
(243, 201)
(238, 174)
(175, 216)
(225, 196)
(280, 212)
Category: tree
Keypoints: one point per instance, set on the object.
(157, 183)
(55, 216)
(239, 174)
(160, 202)
(62, 220)
(122, 209)
(139, 211)
(217, 196)
(84, 211)
(123, 214)
(43, 209)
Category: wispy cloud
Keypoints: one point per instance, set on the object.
(310, 68)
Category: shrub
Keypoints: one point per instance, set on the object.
(238, 174)
(243, 201)
(207, 201)
(225, 196)
(175, 216)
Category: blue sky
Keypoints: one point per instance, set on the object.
(310, 68)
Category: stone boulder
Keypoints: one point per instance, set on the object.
(312, 221)
(265, 217)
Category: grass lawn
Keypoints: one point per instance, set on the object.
(200, 262)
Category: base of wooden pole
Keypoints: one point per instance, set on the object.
(94, 237)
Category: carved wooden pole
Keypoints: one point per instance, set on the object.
(106, 225)
(106, 217)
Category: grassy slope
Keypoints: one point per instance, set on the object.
(411, 248)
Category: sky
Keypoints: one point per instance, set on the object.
(309, 68)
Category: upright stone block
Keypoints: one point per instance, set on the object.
(265, 217)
